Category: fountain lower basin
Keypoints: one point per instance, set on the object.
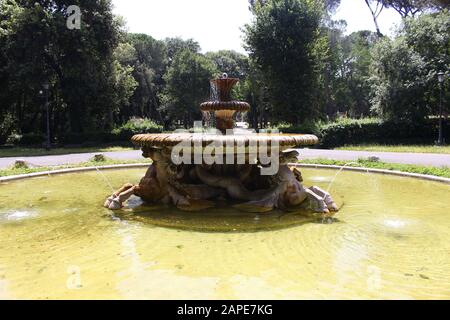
(390, 241)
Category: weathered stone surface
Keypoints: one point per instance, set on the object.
(194, 186)
(172, 139)
(238, 106)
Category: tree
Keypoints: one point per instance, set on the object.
(124, 87)
(9, 11)
(405, 8)
(148, 59)
(231, 62)
(175, 45)
(329, 5)
(375, 7)
(429, 35)
(359, 58)
(344, 65)
(235, 65)
(411, 7)
(78, 64)
(399, 82)
(187, 86)
(404, 82)
(255, 91)
(281, 42)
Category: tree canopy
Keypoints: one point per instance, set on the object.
(302, 66)
(404, 70)
(187, 86)
(282, 41)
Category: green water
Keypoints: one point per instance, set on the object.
(391, 240)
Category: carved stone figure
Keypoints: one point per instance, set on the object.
(189, 187)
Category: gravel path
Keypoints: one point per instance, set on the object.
(70, 158)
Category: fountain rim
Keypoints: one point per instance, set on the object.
(172, 139)
(233, 105)
(49, 174)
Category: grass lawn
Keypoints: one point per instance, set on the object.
(26, 152)
(91, 163)
(399, 148)
(434, 171)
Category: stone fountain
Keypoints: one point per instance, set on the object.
(196, 170)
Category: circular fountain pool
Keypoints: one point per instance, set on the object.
(390, 240)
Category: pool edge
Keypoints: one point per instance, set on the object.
(379, 171)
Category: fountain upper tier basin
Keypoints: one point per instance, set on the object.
(237, 106)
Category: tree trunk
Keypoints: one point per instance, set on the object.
(375, 13)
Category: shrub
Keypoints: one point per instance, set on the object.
(98, 158)
(370, 130)
(305, 128)
(6, 127)
(13, 139)
(30, 139)
(122, 133)
(136, 126)
(349, 131)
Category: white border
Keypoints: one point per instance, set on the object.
(300, 165)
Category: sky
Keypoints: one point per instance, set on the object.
(216, 24)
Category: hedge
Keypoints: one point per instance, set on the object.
(121, 133)
(136, 126)
(362, 131)
(331, 135)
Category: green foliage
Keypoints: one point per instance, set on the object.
(411, 7)
(78, 64)
(366, 163)
(98, 158)
(345, 70)
(436, 171)
(136, 126)
(399, 82)
(404, 82)
(148, 59)
(6, 126)
(30, 152)
(352, 131)
(369, 130)
(302, 68)
(187, 85)
(349, 131)
(107, 162)
(281, 40)
(410, 148)
(235, 65)
(30, 139)
(309, 127)
(124, 85)
(176, 45)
